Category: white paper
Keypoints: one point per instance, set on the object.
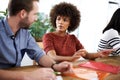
(59, 78)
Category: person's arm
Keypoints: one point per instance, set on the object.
(46, 61)
(39, 74)
(88, 55)
(57, 58)
(92, 55)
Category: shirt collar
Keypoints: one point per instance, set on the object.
(7, 27)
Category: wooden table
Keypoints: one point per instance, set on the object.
(34, 67)
(112, 60)
(108, 60)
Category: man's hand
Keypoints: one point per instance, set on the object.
(41, 74)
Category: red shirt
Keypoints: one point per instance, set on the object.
(64, 46)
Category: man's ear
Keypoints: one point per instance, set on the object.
(23, 13)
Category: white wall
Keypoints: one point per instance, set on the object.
(26, 61)
(95, 16)
(3, 5)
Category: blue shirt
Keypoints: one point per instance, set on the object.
(13, 48)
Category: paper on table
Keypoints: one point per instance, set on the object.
(101, 66)
(59, 78)
(85, 73)
(82, 73)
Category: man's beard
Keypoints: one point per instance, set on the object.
(24, 23)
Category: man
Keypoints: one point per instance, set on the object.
(15, 40)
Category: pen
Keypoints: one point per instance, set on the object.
(57, 73)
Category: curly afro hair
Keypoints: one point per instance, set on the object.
(68, 10)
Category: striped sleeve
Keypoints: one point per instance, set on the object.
(110, 40)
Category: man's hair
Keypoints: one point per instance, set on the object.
(15, 6)
(68, 10)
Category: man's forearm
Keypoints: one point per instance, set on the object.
(46, 61)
